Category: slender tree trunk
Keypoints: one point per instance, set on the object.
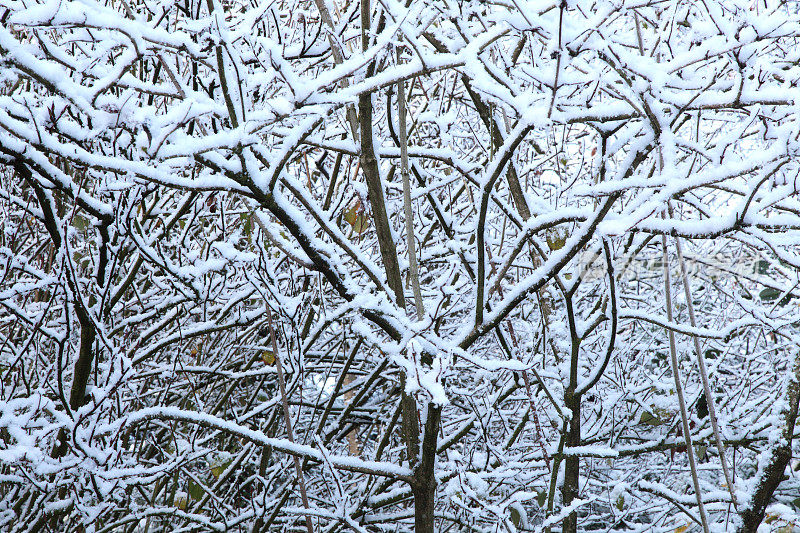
(572, 438)
(288, 419)
(80, 375)
(569, 490)
(83, 365)
(497, 139)
(772, 474)
(369, 166)
(424, 485)
(409, 214)
(423, 461)
(701, 366)
(673, 356)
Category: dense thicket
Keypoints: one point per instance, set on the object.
(451, 265)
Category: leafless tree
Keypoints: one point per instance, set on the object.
(380, 266)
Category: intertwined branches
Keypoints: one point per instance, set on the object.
(211, 320)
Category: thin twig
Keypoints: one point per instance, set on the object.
(687, 434)
(289, 432)
(409, 214)
(701, 364)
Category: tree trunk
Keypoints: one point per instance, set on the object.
(369, 166)
(497, 139)
(424, 485)
(569, 490)
(772, 474)
(83, 365)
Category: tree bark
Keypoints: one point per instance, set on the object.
(569, 490)
(369, 166)
(83, 365)
(771, 475)
(497, 139)
(412, 249)
(424, 485)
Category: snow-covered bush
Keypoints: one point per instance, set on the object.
(451, 265)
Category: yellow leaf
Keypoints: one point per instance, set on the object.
(356, 217)
(681, 529)
(350, 214)
(620, 503)
(181, 500)
(268, 357)
(218, 464)
(556, 238)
